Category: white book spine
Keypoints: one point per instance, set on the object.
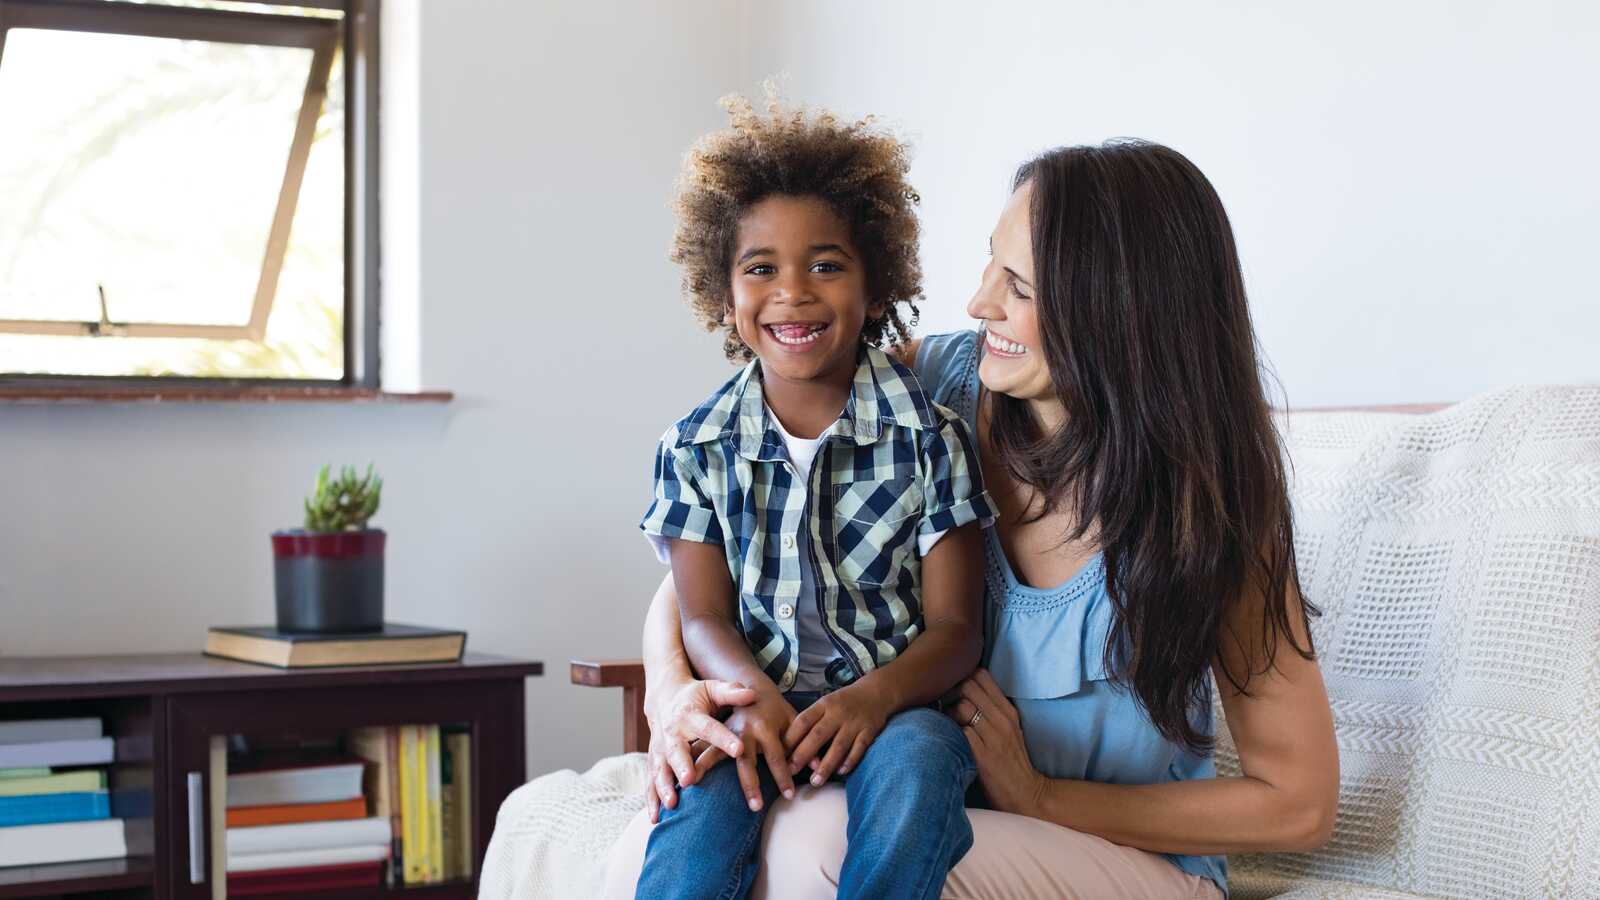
(308, 835)
(86, 752)
(295, 859)
(33, 845)
(35, 731)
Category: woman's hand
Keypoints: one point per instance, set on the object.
(688, 716)
(1007, 775)
(845, 722)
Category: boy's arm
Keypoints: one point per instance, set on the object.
(706, 599)
(706, 605)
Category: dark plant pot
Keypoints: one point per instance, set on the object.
(329, 583)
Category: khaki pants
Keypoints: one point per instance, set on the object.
(1012, 858)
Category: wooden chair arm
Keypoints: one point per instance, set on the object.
(627, 674)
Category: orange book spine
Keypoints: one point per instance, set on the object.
(247, 816)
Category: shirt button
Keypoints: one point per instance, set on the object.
(788, 542)
(785, 611)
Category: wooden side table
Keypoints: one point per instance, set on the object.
(164, 709)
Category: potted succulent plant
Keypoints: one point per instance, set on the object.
(329, 575)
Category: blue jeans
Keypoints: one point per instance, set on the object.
(907, 820)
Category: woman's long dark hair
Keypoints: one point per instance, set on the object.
(1168, 455)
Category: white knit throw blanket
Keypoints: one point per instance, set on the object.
(1456, 558)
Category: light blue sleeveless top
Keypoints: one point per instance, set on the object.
(1045, 647)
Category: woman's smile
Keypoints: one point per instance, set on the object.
(1001, 347)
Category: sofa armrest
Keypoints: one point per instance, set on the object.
(627, 674)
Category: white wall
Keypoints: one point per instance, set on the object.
(550, 134)
(1413, 185)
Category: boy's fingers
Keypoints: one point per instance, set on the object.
(802, 724)
(837, 751)
(812, 745)
(749, 781)
(857, 750)
(778, 764)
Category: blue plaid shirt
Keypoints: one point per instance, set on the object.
(891, 467)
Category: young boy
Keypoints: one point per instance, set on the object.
(820, 514)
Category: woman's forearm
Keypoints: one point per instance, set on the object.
(1197, 817)
(666, 664)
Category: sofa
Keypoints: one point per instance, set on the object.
(1455, 555)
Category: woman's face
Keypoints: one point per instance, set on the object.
(1013, 361)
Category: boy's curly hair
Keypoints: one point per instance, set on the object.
(858, 169)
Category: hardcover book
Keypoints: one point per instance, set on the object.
(396, 643)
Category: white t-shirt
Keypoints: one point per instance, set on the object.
(816, 650)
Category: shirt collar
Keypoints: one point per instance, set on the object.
(883, 392)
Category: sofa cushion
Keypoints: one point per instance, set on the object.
(1456, 559)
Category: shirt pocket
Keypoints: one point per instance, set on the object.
(875, 530)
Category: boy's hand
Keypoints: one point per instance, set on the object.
(846, 722)
(761, 727)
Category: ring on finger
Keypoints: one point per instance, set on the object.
(976, 715)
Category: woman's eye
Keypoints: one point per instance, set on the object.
(1016, 291)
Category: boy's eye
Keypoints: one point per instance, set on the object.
(760, 269)
(826, 266)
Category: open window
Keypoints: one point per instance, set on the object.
(189, 191)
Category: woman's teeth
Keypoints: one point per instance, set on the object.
(1001, 345)
(797, 334)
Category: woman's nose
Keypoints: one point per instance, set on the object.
(983, 304)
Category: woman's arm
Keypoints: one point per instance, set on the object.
(1284, 801)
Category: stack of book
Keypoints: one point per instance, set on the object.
(54, 806)
(301, 823)
(420, 777)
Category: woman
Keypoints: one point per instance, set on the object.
(1144, 544)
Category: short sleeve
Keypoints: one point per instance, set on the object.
(952, 483)
(682, 508)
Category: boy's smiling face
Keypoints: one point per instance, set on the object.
(799, 290)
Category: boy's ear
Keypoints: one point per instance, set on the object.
(727, 317)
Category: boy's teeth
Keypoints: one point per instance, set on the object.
(796, 334)
(1004, 346)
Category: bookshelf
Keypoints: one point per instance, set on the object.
(164, 709)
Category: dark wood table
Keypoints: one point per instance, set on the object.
(163, 709)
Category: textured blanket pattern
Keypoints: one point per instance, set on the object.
(1456, 558)
(553, 834)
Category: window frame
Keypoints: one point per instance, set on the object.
(358, 32)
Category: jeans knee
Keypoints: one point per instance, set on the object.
(718, 789)
(924, 736)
